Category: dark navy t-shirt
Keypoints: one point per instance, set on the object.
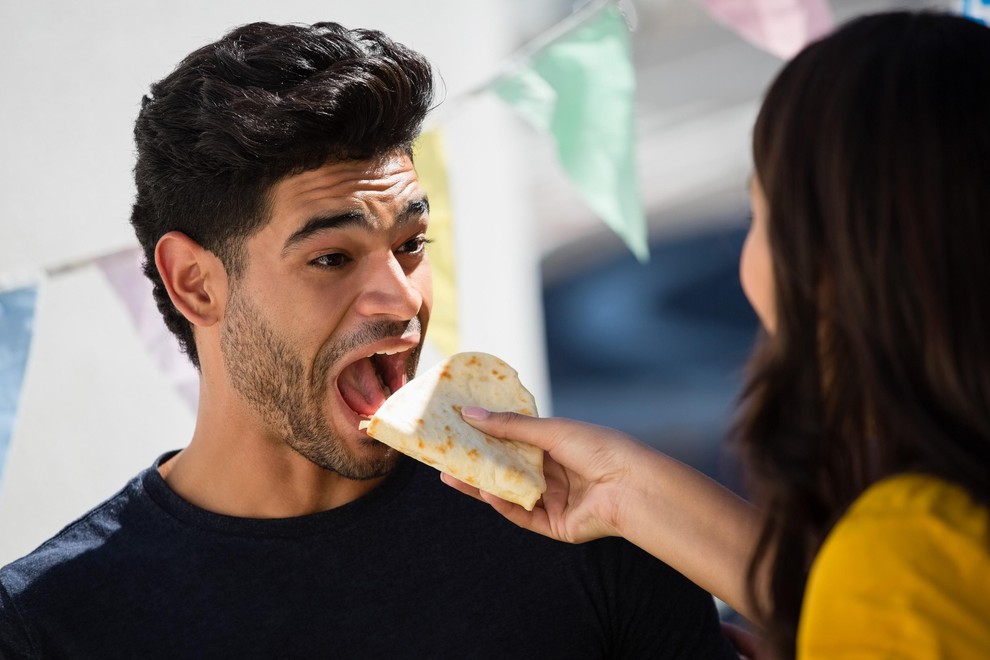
(411, 570)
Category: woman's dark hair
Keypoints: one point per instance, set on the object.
(873, 149)
(264, 102)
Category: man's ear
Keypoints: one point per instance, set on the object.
(194, 277)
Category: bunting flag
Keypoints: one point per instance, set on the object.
(16, 325)
(780, 27)
(978, 10)
(428, 153)
(581, 90)
(123, 272)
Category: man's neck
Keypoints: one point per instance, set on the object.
(227, 469)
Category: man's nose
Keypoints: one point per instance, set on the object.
(388, 290)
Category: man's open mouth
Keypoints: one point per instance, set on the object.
(366, 383)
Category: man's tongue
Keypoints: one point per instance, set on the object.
(361, 388)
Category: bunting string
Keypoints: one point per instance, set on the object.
(519, 59)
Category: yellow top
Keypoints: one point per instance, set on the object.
(904, 574)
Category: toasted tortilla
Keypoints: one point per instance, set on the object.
(423, 420)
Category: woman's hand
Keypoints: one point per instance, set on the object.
(601, 482)
(587, 469)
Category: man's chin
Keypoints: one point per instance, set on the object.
(380, 461)
(358, 457)
(369, 460)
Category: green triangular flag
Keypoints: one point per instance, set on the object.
(581, 89)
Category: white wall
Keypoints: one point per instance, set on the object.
(95, 409)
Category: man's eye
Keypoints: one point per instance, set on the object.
(332, 260)
(415, 245)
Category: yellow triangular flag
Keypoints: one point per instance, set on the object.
(428, 155)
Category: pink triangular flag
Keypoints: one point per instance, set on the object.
(123, 271)
(780, 27)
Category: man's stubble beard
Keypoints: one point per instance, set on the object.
(265, 369)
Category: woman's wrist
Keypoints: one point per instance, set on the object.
(637, 493)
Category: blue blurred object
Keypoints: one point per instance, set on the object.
(656, 350)
(16, 326)
(978, 10)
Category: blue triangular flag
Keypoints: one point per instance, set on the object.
(978, 10)
(16, 325)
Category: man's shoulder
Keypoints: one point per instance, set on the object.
(75, 546)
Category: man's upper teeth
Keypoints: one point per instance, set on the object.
(398, 350)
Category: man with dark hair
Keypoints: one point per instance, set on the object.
(284, 232)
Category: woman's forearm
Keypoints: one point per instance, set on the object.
(692, 523)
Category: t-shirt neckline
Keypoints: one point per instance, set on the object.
(323, 521)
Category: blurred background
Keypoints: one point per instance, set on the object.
(655, 349)
(658, 349)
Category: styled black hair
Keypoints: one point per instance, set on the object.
(262, 103)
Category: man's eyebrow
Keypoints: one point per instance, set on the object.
(413, 210)
(320, 223)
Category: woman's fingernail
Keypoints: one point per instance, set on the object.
(474, 412)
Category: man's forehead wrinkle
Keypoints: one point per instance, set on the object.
(375, 173)
(356, 185)
(366, 195)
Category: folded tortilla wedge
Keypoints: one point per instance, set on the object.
(423, 420)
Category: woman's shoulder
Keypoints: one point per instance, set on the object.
(904, 569)
(908, 522)
(912, 498)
